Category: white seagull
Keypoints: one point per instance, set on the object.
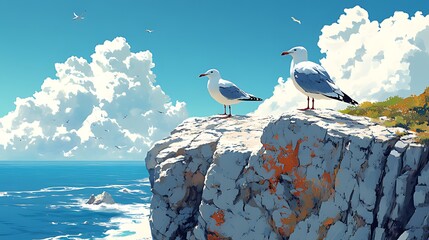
(77, 17)
(312, 79)
(149, 30)
(225, 92)
(296, 20)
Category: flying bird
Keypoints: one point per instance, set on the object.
(149, 30)
(312, 79)
(119, 147)
(78, 17)
(225, 92)
(295, 20)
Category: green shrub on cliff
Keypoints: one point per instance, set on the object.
(411, 113)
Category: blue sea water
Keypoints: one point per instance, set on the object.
(46, 200)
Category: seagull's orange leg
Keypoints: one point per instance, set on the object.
(308, 104)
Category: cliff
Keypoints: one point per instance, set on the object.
(304, 175)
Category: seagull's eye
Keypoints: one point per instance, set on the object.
(295, 49)
(211, 71)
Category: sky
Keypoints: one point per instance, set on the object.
(243, 39)
(77, 81)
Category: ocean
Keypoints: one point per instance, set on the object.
(46, 200)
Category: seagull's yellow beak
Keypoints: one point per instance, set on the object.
(203, 74)
(285, 53)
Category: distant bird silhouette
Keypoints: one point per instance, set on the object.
(78, 17)
(149, 31)
(119, 147)
(160, 112)
(295, 20)
(125, 116)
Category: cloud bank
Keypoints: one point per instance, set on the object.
(107, 109)
(369, 60)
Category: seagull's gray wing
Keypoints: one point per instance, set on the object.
(313, 78)
(230, 91)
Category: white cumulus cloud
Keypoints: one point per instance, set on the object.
(369, 60)
(107, 109)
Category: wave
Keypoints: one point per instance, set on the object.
(31, 197)
(127, 190)
(129, 229)
(132, 224)
(69, 188)
(67, 236)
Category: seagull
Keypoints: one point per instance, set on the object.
(296, 20)
(225, 92)
(149, 30)
(312, 79)
(77, 17)
(119, 147)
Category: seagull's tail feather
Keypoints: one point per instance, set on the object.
(349, 100)
(251, 98)
(345, 98)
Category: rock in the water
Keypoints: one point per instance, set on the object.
(104, 197)
(306, 175)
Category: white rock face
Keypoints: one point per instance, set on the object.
(104, 197)
(305, 175)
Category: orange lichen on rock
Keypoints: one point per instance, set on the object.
(276, 137)
(290, 220)
(269, 147)
(286, 161)
(309, 193)
(327, 177)
(288, 225)
(328, 222)
(299, 183)
(289, 157)
(219, 217)
(213, 235)
(323, 229)
(286, 231)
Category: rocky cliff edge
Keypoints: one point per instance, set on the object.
(304, 175)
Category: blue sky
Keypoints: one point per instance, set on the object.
(243, 39)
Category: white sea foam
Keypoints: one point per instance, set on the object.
(4, 194)
(140, 183)
(69, 223)
(61, 237)
(134, 226)
(31, 197)
(23, 204)
(127, 190)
